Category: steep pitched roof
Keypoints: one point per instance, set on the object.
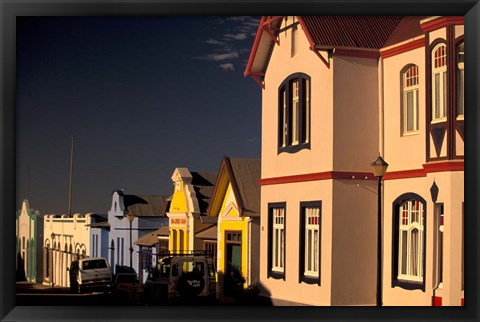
(203, 184)
(246, 173)
(243, 175)
(365, 32)
(408, 28)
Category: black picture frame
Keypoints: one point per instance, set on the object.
(10, 9)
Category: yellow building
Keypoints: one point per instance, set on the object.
(192, 191)
(236, 203)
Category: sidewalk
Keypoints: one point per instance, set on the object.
(35, 288)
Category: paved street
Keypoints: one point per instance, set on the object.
(39, 294)
(31, 294)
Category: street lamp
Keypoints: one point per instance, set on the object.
(379, 170)
(52, 236)
(130, 218)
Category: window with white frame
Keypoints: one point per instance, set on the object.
(294, 113)
(310, 241)
(410, 252)
(276, 245)
(410, 100)
(439, 83)
(460, 80)
(278, 240)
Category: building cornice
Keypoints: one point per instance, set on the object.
(440, 22)
(402, 47)
(446, 166)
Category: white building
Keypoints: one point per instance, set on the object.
(66, 238)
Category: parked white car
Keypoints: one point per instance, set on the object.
(90, 274)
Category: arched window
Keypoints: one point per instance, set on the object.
(439, 83)
(460, 79)
(410, 99)
(409, 241)
(294, 113)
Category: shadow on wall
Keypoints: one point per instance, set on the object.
(20, 268)
(232, 292)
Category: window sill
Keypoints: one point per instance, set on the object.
(441, 120)
(310, 279)
(409, 285)
(460, 118)
(411, 133)
(276, 275)
(294, 148)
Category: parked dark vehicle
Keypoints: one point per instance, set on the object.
(90, 274)
(181, 276)
(127, 286)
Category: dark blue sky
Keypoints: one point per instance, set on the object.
(141, 95)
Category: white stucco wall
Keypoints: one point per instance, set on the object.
(72, 239)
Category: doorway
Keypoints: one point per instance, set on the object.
(233, 280)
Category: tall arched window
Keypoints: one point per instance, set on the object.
(410, 99)
(409, 241)
(460, 79)
(294, 114)
(439, 83)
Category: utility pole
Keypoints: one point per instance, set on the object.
(71, 177)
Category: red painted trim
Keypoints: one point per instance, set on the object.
(307, 33)
(442, 22)
(405, 174)
(444, 166)
(329, 175)
(463, 302)
(371, 54)
(427, 168)
(403, 48)
(348, 175)
(258, 80)
(311, 42)
(436, 301)
(327, 63)
(253, 52)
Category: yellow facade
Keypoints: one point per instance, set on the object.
(178, 218)
(231, 221)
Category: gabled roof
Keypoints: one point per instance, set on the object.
(322, 32)
(408, 28)
(367, 32)
(209, 233)
(146, 205)
(203, 184)
(151, 239)
(243, 174)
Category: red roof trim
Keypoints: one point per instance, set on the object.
(442, 22)
(311, 42)
(403, 48)
(253, 52)
(371, 54)
(307, 32)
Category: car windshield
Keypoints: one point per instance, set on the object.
(99, 263)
